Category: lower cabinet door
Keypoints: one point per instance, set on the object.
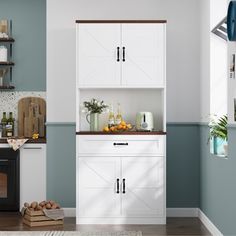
(98, 186)
(143, 187)
(32, 173)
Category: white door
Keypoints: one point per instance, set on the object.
(143, 193)
(32, 173)
(97, 58)
(97, 184)
(143, 55)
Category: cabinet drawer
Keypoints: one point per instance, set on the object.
(153, 145)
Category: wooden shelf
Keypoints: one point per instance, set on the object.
(7, 87)
(7, 63)
(7, 40)
(121, 133)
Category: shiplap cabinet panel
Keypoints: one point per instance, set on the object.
(144, 196)
(144, 46)
(97, 187)
(97, 51)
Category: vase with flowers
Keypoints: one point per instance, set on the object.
(93, 109)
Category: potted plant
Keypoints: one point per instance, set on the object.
(93, 108)
(219, 134)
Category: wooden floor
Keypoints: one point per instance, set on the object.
(174, 226)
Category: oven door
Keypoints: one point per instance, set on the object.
(9, 180)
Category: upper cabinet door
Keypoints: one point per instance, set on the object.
(143, 55)
(97, 54)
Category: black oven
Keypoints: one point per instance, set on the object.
(9, 179)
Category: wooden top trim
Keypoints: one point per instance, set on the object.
(33, 141)
(121, 133)
(120, 21)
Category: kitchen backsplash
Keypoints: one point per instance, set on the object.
(9, 101)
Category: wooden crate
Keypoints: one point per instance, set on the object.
(38, 218)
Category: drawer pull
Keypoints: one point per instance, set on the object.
(118, 54)
(32, 148)
(123, 54)
(120, 144)
(123, 185)
(117, 186)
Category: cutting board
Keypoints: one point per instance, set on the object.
(31, 117)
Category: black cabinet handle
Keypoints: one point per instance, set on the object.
(120, 144)
(118, 53)
(123, 50)
(117, 186)
(123, 185)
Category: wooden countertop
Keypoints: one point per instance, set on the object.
(33, 141)
(121, 133)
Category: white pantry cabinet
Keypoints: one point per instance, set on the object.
(119, 186)
(121, 177)
(121, 55)
(32, 173)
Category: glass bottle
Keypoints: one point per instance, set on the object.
(4, 123)
(118, 116)
(111, 118)
(10, 125)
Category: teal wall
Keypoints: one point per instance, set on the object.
(182, 164)
(61, 169)
(218, 184)
(29, 50)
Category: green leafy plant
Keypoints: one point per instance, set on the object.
(218, 128)
(94, 106)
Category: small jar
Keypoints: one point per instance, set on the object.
(3, 53)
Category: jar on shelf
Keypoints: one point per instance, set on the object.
(3, 53)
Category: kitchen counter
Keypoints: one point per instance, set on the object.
(121, 133)
(40, 140)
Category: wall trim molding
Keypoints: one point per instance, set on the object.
(173, 212)
(231, 125)
(168, 124)
(50, 123)
(203, 123)
(69, 212)
(182, 123)
(170, 212)
(208, 224)
(182, 212)
(60, 123)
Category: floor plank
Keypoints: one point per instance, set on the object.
(10, 221)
